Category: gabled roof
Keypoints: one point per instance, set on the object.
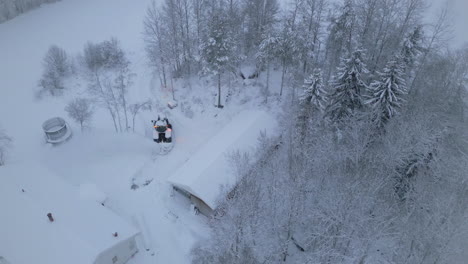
(208, 173)
(81, 229)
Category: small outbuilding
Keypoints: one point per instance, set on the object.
(56, 130)
(208, 174)
(44, 220)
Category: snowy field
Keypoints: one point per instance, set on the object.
(121, 165)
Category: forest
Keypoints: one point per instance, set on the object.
(371, 166)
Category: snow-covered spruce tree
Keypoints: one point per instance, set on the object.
(340, 39)
(80, 110)
(218, 51)
(312, 103)
(314, 91)
(56, 68)
(5, 143)
(412, 47)
(385, 94)
(347, 88)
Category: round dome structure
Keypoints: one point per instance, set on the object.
(56, 130)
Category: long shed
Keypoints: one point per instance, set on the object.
(208, 174)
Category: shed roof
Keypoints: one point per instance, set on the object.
(208, 171)
(81, 229)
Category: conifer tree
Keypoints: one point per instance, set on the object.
(411, 47)
(347, 86)
(314, 92)
(218, 51)
(386, 93)
(340, 39)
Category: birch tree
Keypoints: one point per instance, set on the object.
(109, 78)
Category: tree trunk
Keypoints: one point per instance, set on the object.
(282, 77)
(268, 76)
(172, 89)
(163, 74)
(124, 106)
(113, 118)
(219, 90)
(108, 105)
(119, 119)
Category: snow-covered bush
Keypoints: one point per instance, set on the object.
(5, 143)
(80, 110)
(56, 68)
(107, 54)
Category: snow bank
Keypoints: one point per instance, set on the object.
(80, 231)
(208, 171)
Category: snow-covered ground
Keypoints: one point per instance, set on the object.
(121, 165)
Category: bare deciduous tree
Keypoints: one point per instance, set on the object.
(135, 109)
(80, 110)
(109, 78)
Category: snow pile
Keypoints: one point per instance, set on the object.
(208, 171)
(81, 229)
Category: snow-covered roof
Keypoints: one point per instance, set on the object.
(81, 230)
(208, 172)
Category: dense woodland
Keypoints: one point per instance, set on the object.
(12, 8)
(371, 167)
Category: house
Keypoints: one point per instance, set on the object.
(44, 220)
(209, 174)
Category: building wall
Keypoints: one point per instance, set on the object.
(118, 254)
(201, 206)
